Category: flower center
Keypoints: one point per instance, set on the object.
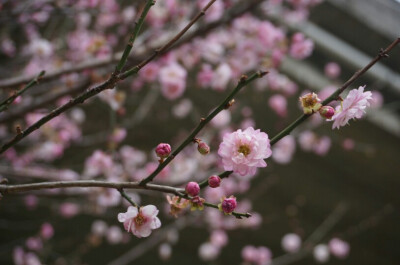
(244, 149)
(139, 219)
(309, 102)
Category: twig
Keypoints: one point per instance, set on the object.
(40, 102)
(242, 83)
(135, 33)
(109, 84)
(129, 199)
(236, 214)
(4, 105)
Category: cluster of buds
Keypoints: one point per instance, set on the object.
(311, 104)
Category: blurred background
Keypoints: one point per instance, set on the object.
(326, 184)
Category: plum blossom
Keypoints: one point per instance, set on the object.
(301, 46)
(140, 221)
(291, 243)
(173, 81)
(353, 106)
(244, 151)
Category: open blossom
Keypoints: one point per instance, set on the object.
(353, 106)
(244, 151)
(140, 221)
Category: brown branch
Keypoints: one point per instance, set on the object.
(16, 113)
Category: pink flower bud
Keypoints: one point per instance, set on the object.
(163, 150)
(203, 148)
(192, 188)
(227, 205)
(327, 112)
(214, 181)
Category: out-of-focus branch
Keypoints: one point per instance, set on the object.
(140, 54)
(42, 101)
(132, 38)
(109, 84)
(4, 105)
(244, 81)
(314, 238)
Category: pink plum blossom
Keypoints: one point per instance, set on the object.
(278, 103)
(284, 149)
(332, 70)
(173, 80)
(339, 248)
(353, 106)
(208, 251)
(46, 231)
(301, 47)
(244, 151)
(321, 253)
(222, 76)
(291, 243)
(140, 221)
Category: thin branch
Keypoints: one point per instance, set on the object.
(109, 84)
(10, 189)
(129, 199)
(42, 101)
(135, 33)
(244, 80)
(4, 105)
(236, 214)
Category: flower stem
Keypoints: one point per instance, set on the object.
(129, 199)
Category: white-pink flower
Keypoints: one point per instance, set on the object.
(353, 106)
(244, 151)
(140, 221)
